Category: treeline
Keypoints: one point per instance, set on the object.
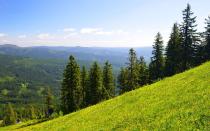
(82, 88)
(185, 49)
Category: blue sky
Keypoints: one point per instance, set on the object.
(102, 23)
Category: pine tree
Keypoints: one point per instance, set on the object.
(9, 115)
(189, 39)
(207, 39)
(132, 70)
(123, 80)
(108, 81)
(49, 102)
(143, 72)
(173, 49)
(94, 89)
(156, 66)
(71, 91)
(84, 84)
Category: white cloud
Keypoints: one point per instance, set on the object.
(85, 37)
(70, 35)
(90, 30)
(69, 30)
(121, 32)
(2, 35)
(99, 31)
(44, 36)
(104, 33)
(22, 36)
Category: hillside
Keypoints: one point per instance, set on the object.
(180, 102)
(36, 73)
(23, 79)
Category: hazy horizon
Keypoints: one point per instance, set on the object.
(75, 46)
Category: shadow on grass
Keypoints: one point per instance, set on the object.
(33, 123)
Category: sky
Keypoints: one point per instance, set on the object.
(93, 23)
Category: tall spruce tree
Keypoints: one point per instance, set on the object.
(9, 115)
(71, 91)
(156, 66)
(84, 84)
(143, 72)
(123, 80)
(108, 81)
(189, 39)
(132, 67)
(94, 89)
(207, 39)
(173, 49)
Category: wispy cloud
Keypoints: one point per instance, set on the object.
(82, 37)
(90, 30)
(22, 36)
(44, 36)
(101, 31)
(69, 29)
(69, 35)
(3, 34)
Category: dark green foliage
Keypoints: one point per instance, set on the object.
(189, 39)
(22, 80)
(173, 52)
(143, 72)
(132, 66)
(71, 87)
(84, 84)
(207, 39)
(10, 115)
(134, 75)
(123, 80)
(108, 90)
(49, 102)
(156, 66)
(95, 84)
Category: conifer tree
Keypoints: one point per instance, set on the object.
(143, 72)
(84, 84)
(71, 91)
(94, 90)
(189, 39)
(49, 102)
(108, 81)
(207, 39)
(156, 66)
(9, 115)
(132, 67)
(173, 49)
(123, 80)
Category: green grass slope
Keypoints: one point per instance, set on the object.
(181, 102)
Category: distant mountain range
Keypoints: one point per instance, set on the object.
(116, 56)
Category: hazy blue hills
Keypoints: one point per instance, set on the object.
(117, 56)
